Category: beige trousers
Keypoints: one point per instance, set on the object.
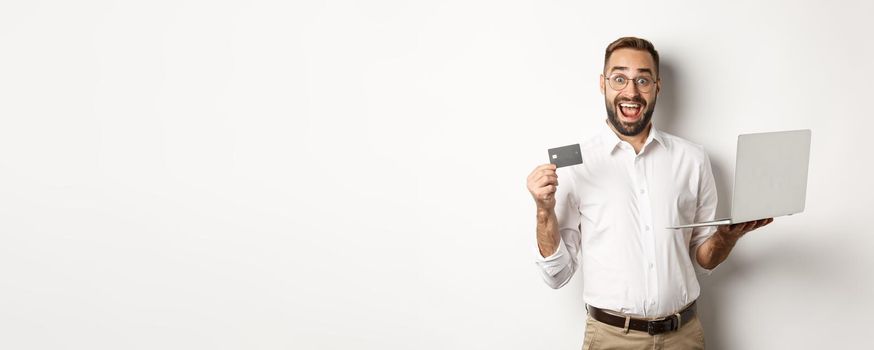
(602, 336)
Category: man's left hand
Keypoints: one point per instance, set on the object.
(734, 232)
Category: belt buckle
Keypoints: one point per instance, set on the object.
(672, 326)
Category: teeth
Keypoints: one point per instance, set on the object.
(629, 105)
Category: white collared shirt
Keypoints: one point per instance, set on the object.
(612, 212)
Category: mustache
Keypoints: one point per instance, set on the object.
(636, 99)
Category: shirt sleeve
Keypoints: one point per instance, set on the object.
(705, 211)
(558, 268)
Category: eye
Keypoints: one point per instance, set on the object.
(642, 81)
(619, 79)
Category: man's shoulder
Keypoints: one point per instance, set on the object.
(591, 142)
(679, 145)
(595, 140)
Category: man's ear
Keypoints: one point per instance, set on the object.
(658, 86)
(603, 88)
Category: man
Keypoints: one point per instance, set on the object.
(639, 280)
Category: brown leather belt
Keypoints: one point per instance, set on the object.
(653, 327)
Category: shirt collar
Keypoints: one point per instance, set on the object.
(611, 140)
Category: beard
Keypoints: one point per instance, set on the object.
(630, 129)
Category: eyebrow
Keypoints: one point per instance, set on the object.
(643, 70)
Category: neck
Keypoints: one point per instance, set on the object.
(635, 141)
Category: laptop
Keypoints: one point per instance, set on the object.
(770, 177)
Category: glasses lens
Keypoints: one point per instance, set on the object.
(643, 84)
(618, 81)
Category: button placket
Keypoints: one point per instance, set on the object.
(645, 210)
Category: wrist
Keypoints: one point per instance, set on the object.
(544, 213)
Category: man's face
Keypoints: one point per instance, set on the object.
(629, 109)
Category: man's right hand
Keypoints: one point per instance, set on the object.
(542, 183)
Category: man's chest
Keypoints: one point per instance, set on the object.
(618, 185)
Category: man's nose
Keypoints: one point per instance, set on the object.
(630, 92)
(632, 88)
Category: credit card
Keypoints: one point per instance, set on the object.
(566, 156)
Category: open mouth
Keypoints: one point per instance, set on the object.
(631, 110)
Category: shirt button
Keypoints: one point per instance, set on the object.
(650, 265)
(647, 228)
(642, 191)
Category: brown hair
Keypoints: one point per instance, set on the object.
(630, 42)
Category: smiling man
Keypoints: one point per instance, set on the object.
(608, 217)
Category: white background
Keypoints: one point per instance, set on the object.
(339, 174)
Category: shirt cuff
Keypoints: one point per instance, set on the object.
(701, 270)
(554, 263)
(698, 268)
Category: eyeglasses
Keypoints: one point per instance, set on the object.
(619, 81)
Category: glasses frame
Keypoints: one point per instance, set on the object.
(636, 85)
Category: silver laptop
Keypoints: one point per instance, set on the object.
(770, 177)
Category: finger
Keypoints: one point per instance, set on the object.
(754, 224)
(544, 187)
(734, 228)
(737, 229)
(548, 166)
(535, 178)
(537, 175)
(546, 192)
(547, 172)
(761, 223)
(544, 174)
(764, 222)
(546, 180)
(537, 170)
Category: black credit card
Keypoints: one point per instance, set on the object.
(566, 156)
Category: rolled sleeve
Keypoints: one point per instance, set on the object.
(698, 238)
(705, 211)
(553, 264)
